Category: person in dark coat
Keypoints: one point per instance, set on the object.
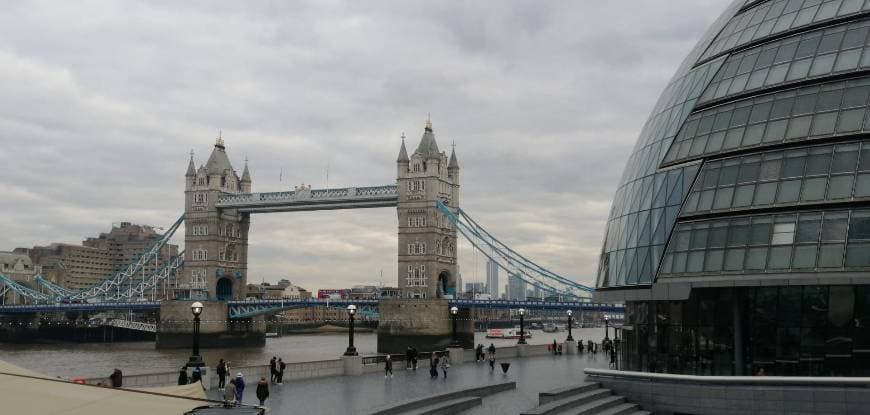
(240, 388)
(196, 375)
(262, 391)
(388, 366)
(273, 370)
(221, 371)
(230, 393)
(117, 378)
(414, 355)
(433, 365)
(182, 376)
(281, 367)
(491, 349)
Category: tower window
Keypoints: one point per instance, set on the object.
(200, 198)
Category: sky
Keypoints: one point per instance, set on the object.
(102, 102)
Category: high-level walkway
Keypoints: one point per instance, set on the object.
(359, 394)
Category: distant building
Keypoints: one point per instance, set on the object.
(334, 293)
(81, 266)
(364, 292)
(492, 278)
(458, 282)
(283, 289)
(390, 292)
(516, 288)
(475, 288)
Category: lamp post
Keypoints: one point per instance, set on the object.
(351, 351)
(606, 326)
(570, 338)
(195, 358)
(453, 312)
(522, 339)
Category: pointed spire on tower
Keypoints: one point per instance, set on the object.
(246, 175)
(191, 169)
(429, 122)
(454, 162)
(403, 153)
(219, 142)
(428, 148)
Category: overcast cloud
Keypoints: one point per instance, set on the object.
(101, 102)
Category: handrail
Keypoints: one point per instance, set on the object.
(732, 380)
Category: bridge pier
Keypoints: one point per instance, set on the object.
(423, 324)
(175, 329)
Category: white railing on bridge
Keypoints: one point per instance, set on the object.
(133, 325)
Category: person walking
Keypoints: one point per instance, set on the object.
(273, 370)
(281, 367)
(196, 375)
(240, 388)
(182, 376)
(491, 350)
(230, 393)
(221, 371)
(388, 366)
(262, 390)
(409, 355)
(117, 378)
(433, 364)
(444, 361)
(414, 355)
(492, 362)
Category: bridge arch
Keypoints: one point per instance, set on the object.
(224, 289)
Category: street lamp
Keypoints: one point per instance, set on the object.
(522, 339)
(570, 338)
(195, 358)
(453, 312)
(606, 325)
(351, 351)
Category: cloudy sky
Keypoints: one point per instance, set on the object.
(101, 102)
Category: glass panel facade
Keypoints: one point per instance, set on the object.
(778, 16)
(817, 54)
(781, 178)
(809, 113)
(813, 330)
(826, 241)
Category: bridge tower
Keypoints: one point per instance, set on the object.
(427, 239)
(216, 240)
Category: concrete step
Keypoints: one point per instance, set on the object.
(598, 405)
(641, 413)
(556, 394)
(621, 409)
(561, 405)
(452, 406)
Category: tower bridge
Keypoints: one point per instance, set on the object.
(214, 264)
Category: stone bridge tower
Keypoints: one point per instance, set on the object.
(427, 239)
(216, 241)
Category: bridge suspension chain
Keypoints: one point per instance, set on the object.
(508, 259)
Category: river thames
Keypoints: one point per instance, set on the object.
(98, 359)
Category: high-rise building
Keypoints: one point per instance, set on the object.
(516, 288)
(492, 278)
(427, 240)
(475, 288)
(81, 266)
(739, 235)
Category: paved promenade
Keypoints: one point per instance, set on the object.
(357, 394)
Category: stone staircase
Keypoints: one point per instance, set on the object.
(587, 398)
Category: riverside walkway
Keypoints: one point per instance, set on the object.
(359, 394)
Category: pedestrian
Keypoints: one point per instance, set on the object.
(444, 361)
(414, 354)
(491, 350)
(612, 359)
(221, 371)
(262, 390)
(580, 347)
(273, 370)
(182, 376)
(555, 347)
(240, 388)
(433, 364)
(409, 356)
(230, 393)
(196, 375)
(388, 366)
(492, 362)
(281, 367)
(117, 378)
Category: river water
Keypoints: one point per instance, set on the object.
(98, 359)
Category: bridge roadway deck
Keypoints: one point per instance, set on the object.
(304, 199)
(247, 308)
(359, 394)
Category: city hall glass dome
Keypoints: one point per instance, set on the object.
(739, 236)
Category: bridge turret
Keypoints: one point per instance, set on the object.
(402, 162)
(190, 176)
(246, 179)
